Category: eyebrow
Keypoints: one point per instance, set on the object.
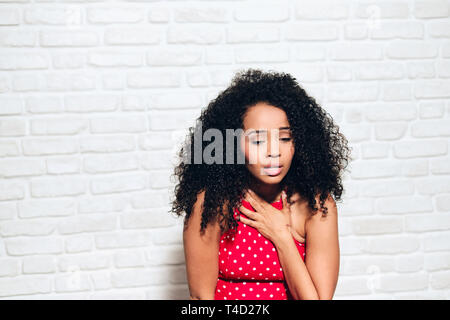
(258, 131)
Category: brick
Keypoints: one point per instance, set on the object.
(9, 16)
(356, 207)
(436, 241)
(411, 49)
(200, 14)
(431, 9)
(432, 89)
(79, 243)
(321, 10)
(153, 80)
(15, 228)
(375, 169)
(398, 30)
(404, 282)
(46, 208)
(377, 225)
(421, 70)
(139, 277)
(122, 239)
(39, 264)
(72, 282)
(393, 244)
(68, 38)
(21, 167)
(33, 246)
(390, 131)
(253, 34)
(58, 186)
(24, 285)
(114, 15)
(437, 261)
(430, 128)
(129, 259)
(165, 120)
(122, 124)
(266, 54)
(111, 143)
(63, 165)
(382, 9)
(69, 60)
(44, 104)
(403, 111)
(119, 183)
(165, 255)
(443, 203)
(12, 127)
(147, 219)
(380, 71)
(409, 262)
(23, 61)
(159, 15)
(311, 32)
(115, 59)
(8, 149)
(18, 38)
(11, 190)
(8, 210)
(9, 267)
(58, 126)
(102, 204)
(110, 163)
(404, 204)
(149, 199)
(53, 16)
(430, 110)
(350, 93)
(396, 91)
(356, 51)
(194, 35)
(11, 105)
(427, 222)
(366, 265)
(440, 280)
(49, 146)
(132, 36)
(84, 261)
(174, 57)
(87, 223)
(261, 13)
(413, 149)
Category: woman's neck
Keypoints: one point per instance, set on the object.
(269, 192)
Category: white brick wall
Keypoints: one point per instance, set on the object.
(94, 96)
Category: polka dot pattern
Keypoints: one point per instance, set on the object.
(249, 268)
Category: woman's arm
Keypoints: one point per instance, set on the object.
(202, 254)
(316, 278)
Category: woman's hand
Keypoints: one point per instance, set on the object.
(272, 223)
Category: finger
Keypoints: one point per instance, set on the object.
(286, 204)
(256, 201)
(249, 222)
(249, 213)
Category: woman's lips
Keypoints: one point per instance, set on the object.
(272, 171)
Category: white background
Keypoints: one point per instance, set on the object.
(95, 95)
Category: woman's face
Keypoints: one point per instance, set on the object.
(267, 143)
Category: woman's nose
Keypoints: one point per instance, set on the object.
(273, 147)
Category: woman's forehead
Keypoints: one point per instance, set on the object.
(265, 117)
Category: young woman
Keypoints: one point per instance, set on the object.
(251, 228)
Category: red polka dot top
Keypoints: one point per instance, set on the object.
(249, 268)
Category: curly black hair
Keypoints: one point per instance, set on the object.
(321, 151)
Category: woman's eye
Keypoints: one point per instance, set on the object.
(261, 141)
